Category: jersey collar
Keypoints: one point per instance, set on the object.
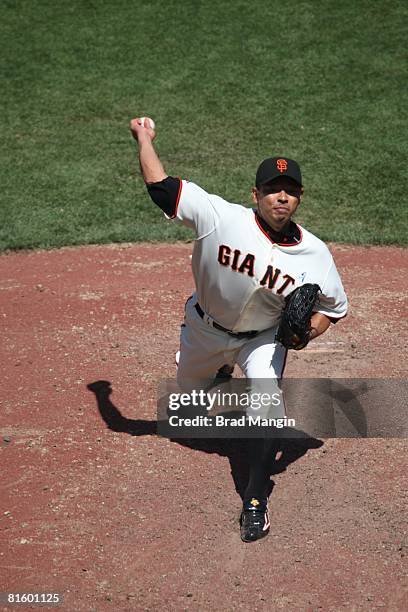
(291, 235)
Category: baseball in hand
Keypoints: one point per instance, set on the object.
(146, 122)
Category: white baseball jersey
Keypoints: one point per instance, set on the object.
(242, 276)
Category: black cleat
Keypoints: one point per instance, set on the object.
(254, 520)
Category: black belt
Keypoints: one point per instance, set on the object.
(247, 334)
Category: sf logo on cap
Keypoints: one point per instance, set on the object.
(282, 165)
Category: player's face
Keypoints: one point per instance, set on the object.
(277, 201)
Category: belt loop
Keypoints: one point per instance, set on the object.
(208, 320)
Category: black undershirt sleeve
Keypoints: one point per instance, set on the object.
(166, 194)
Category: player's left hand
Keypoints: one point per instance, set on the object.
(295, 330)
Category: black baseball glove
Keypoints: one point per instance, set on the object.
(294, 328)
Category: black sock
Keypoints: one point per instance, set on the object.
(259, 453)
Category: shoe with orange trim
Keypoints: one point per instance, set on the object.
(254, 520)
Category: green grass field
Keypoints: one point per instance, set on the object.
(228, 83)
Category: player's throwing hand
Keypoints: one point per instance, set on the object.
(142, 127)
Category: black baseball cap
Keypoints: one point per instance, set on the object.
(274, 167)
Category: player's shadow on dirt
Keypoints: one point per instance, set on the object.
(287, 449)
